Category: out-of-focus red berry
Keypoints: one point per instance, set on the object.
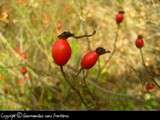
(23, 70)
(139, 41)
(150, 87)
(120, 17)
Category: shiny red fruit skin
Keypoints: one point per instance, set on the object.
(119, 18)
(89, 60)
(139, 43)
(149, 86)
(23, 70)
(61, 52)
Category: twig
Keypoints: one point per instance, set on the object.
(87, 38)
(114, 48)
(132, 68)
(89, 35)
(70, 84)
(111, 55)
(99, 69)
(86, 86)
(111, 92)
(143, 62)
(91, 81)
(80, 70)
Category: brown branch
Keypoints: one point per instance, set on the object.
(73, 88)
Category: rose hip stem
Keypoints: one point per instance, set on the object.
(86, 86)
(70, 84)
(114, 44)
(112, 53)
(140, 44)
(143, 62)
(78, 37)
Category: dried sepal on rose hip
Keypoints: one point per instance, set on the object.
(90, 58)
(139, 42)
(119, 17)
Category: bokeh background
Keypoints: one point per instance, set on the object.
(29, 27)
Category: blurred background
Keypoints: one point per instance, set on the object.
(29, 79)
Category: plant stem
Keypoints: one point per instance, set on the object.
(137, 73)
(143, 62)
(87, 38)
(70, 84)
(86, 35)
(86, 86)
(80, 70)
(142, 58)
(99, 69)
(92, 81)
(114, 47)
(111, 55)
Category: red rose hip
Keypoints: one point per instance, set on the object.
(61, 50)
(120, 17)
(90, 58)
(150, 86)
(139, 41)
(23, 70)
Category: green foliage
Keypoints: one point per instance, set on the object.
(120, 1)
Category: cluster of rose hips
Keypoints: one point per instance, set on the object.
(61, 50)
(139, 42)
